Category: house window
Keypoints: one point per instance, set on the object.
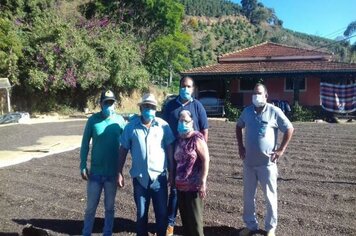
(248, 84)
(289, 86)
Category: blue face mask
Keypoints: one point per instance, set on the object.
(108, 110)
(185, 94)
(184, 127)
(148, 114)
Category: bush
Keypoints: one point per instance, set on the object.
(300, 113)
(231, 112)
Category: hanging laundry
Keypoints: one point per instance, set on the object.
(338, 98)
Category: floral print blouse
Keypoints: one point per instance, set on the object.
(189, 165)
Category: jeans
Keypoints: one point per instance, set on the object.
(267, 176)
(172, 206)
(96, 184)
(157, 190)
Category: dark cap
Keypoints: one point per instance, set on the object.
(107, 95)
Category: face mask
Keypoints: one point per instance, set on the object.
(185, 94)
(148, 114)
(184, 127)
(108, 110)
(258, 100)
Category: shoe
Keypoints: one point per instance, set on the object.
(245, 232)
(271, 233)
(170, 230)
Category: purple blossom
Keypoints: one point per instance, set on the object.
(57, 50)
(70, 78)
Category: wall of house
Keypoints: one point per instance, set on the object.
(276, 90)
(311, 97)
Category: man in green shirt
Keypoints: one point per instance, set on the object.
(104, 129)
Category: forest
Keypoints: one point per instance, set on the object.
(63, 53)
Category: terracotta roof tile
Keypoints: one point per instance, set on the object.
(273, 67)
(273, 58)
(268, 49)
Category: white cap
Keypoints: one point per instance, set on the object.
(148, 98)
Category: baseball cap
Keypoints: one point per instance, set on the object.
(148, 98)
(107, 95)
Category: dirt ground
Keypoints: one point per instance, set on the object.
(317, 188)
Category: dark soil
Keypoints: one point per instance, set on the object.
(317, 188)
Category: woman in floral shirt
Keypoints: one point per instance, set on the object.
(192, 158)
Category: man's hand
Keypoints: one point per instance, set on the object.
(276, 154)
(120, 180)
(242, 152)
(84, 174)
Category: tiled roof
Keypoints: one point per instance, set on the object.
(264, 67)
(269, 58)
(268, 50)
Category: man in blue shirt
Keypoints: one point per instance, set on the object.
(260, 153)
(149, 140)
(171, 112)
(104, 129)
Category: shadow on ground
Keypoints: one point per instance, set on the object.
(74, 227)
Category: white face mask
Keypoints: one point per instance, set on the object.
(259, 100)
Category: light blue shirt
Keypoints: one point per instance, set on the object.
(261, 133)
(147, 147)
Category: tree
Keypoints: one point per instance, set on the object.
(248, 8)
(10, 50)
(168, 55)
(350, 30)
(148, 19)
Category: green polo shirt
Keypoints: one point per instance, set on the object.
(105, 136)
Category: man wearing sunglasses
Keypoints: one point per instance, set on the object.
(104, 130)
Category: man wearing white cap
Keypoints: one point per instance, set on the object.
(149, 139)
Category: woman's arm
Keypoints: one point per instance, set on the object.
(203, 153)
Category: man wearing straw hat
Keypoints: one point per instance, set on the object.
(149, 139)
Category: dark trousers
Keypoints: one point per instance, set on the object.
(191, 212)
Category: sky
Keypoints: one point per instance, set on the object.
(324, 18)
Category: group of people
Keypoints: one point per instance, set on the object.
(172, 151)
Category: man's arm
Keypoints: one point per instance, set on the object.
(205, 134)
(84, 150)
(287, 136)
(171, 169)
(240, 144)
(122, 159)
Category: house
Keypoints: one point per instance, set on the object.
(291, 74)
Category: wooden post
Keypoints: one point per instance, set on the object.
(296, 84)
(8, 100)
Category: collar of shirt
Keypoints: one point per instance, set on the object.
(178, 100)
(263, 110)
(137, 121)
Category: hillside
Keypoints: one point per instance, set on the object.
(213, 36)
(68, 51)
